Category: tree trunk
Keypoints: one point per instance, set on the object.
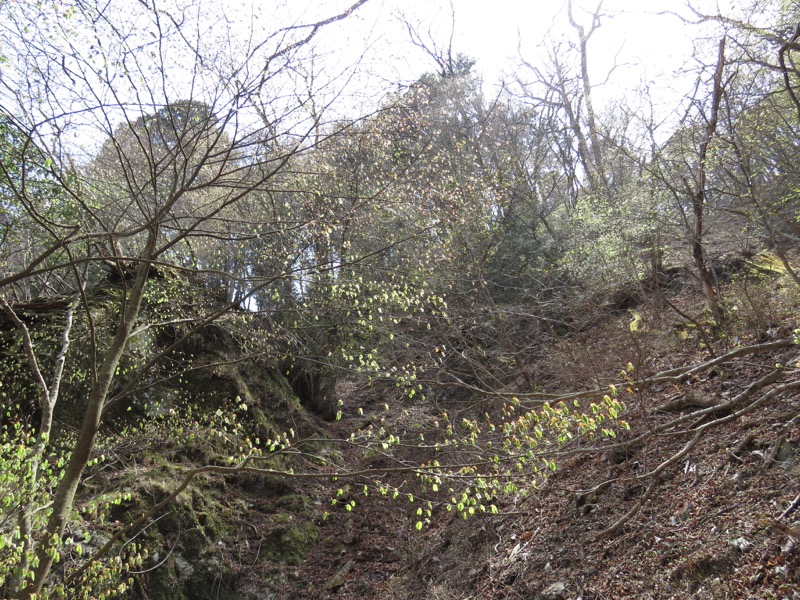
(699, 197)
(65, 492)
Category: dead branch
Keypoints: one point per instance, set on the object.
(681, 374)
(655, 475)
(783, 53)
(676, 375)
(772, 455)
(791, 508)
(688, 401)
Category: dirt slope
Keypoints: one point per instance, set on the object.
(711, 524)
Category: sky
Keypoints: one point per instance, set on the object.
(645, 39)
(495, 33)
(640, 38)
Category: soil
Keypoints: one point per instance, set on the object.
(714, 524)
(720, 520)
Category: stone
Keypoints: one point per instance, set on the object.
(556, 591)
(182, 566)
(339, 578)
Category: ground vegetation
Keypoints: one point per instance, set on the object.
(461, 345)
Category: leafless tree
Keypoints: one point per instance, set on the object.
(192, 121)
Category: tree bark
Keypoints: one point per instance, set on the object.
(65, 492)
(699, 196)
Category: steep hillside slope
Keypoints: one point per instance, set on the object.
(698, 500)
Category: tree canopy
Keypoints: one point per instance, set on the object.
(182, 199)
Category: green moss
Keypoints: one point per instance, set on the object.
(290, 540)
(293, 502)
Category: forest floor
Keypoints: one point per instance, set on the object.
(705, 527)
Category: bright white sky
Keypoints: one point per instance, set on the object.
(647, 44)
(492, 32)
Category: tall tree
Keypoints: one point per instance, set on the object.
(192, 145)
(700, 190)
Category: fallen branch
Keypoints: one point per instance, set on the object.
(772, 455)
(677, 375)
(791, 508)
(724, 407)
(655, 475)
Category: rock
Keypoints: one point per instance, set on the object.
(182, 566)
(289, 541)
(787, 453)
(556, 591)
(340, 577)
(741, 544)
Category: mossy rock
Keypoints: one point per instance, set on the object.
(293, 502)
(186, 538)
(260, 486)
(289, 541)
